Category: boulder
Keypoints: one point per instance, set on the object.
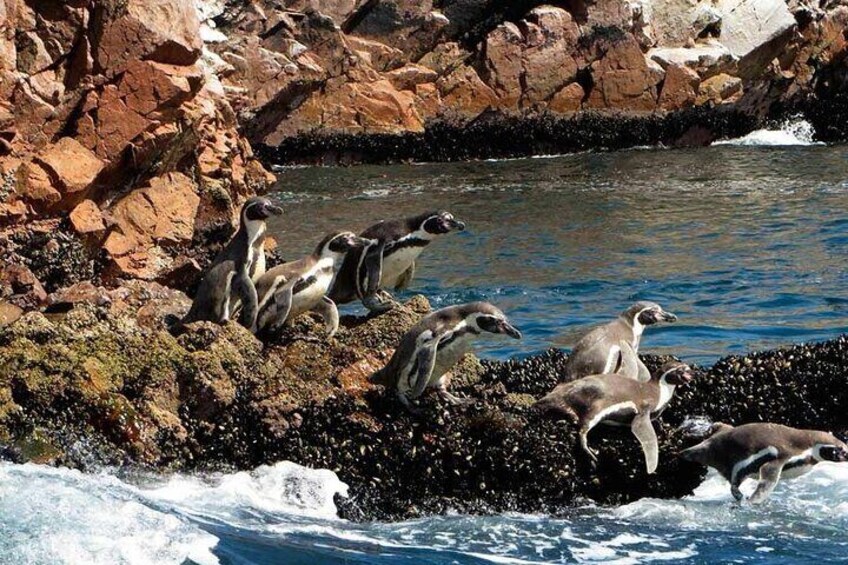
(20, 287)
(706, 59)
(679, 88)
(755, 31)
(163, 31)
(163, 213)
(623, 78)
(87, 219)
(719, 89)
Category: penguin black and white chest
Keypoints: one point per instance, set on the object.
(598, 352)
(434, 345)
(288, 290)
(768, 451)
(229, 282)
(618, 399)
(389, 262)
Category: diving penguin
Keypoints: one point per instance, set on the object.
(599, 352)
(229, 282)
(389, 262)
(288, 290)
(769, 451)
(434, 345)
(618, 399)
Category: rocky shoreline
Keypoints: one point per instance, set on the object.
(105, 384)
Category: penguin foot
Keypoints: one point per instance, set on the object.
(454, 400)
(377, 306)
(410, 407)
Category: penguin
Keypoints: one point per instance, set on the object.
(389, 262)
(769, 451)
(434, 345)
(598, 352)
(288, 290)
(229, 282)
(618, 399)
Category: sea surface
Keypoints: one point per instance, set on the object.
(747, 241)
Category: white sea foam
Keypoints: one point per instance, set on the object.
(791, 132)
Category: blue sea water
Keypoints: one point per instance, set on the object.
(746, 242)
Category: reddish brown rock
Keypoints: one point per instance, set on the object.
(72, 168)
(87, 219)
(165, 31)
(719, 89)
(623, 78)
(20, 287)
(464, 94)
(411, 75)
(567, 100)
(679, 88)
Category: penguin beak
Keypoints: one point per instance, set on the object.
(666, 316)
(510, 330)
(274, 210)
(458, 225)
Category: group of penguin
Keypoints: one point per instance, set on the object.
(605, 381)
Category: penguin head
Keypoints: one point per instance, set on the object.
(487, 318)
(647, 314)
(439, 222)
(259, 208)
(836, 452)
(338, 243)
(676, 373)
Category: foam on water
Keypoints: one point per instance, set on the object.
(791, 132)
(286, 511)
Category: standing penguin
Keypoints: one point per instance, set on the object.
(435, 344)
(389, 262)
(288, 290)
(771, 451)
(599, 352)
(229, 282)
(618, 399)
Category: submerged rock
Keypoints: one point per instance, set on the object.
(99, 381)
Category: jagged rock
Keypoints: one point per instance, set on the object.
(19, 286)
(164, 31)
(755, 31)
(623, 78)
(719, 89)
(86, 218)
(679, 89)
(705, 59)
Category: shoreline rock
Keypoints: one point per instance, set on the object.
(98, 381)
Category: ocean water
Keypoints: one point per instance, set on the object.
(746, 241)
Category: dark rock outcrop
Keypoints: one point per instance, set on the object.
(98, 370)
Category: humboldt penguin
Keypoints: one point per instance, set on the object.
(229, 282)
(288, 290)
(768, 451)
(598, 352)
(389, 262)
(434, 345)
(618, 399)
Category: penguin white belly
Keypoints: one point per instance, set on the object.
(396, 264)
(449, 356)
(309, 297)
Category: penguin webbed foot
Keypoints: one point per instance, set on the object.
(379, 302)
(409, 406)
(454, 400)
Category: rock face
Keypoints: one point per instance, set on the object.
(115, 132)
(98, 366)
(323, 82)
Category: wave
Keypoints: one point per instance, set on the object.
(792, 132)
(285, 513)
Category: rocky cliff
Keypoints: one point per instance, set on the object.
(378, 80)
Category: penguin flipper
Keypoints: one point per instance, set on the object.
(406, 278)
(370, 270)
(629, 361)
(283, 298)
(643, 429)
(327, 309)
(769, 476)
(426, 362)
(244, 288)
